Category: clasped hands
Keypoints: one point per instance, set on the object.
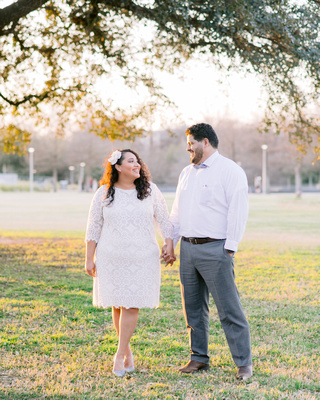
(167, 254)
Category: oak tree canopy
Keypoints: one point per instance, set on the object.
(54, 53)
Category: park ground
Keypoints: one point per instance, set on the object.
(55, 345)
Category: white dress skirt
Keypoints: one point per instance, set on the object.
(128, 271)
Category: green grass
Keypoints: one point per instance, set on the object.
(55, 345)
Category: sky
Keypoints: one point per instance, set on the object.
(203, 92)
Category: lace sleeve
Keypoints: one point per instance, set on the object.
(95, 219)
(161, 213)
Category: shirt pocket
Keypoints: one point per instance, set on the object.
(206, 195)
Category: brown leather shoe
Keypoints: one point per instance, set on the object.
(244, 373)
(194, 366)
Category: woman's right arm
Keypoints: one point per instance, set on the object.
(90, 265)
(94, 227)
(95, 218)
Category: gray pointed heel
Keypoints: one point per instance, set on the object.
(119, 373)
(129, 369)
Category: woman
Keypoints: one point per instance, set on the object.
(122, 253)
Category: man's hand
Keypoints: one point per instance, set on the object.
(90, 268)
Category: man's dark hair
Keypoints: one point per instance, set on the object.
(202, 131)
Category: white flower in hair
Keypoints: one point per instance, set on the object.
(114, 157)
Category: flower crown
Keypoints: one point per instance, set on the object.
(115, 157)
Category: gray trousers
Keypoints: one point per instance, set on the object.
(208, 268)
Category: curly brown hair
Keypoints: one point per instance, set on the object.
(111, 176)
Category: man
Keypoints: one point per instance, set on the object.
(209, 213)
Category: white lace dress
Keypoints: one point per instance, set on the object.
(127, 254)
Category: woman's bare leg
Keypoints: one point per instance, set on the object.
(116, 318)
(127, 324)
(116, 312)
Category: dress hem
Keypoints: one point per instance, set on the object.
(127, 307)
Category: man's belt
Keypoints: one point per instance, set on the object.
(194, 240)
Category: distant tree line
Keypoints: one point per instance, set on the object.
(165, 155)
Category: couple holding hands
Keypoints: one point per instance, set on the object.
(209, 214)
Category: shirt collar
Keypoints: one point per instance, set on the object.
(208, 162)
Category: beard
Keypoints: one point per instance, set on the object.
(196, 157)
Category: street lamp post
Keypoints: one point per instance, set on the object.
(31, 151)
(264, 148)
(71, 169)
(81, 176)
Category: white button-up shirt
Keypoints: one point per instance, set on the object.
(211, 201)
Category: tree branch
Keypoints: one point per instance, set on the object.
(17, 10)
(42, 96)
(25, 99)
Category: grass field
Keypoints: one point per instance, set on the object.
(55, 345)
